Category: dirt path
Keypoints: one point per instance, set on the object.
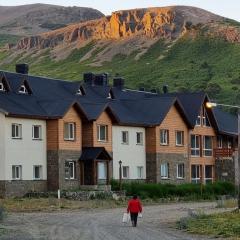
(157, 223)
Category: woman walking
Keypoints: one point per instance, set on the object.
(134, 207)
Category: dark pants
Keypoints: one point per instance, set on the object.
(134, 217)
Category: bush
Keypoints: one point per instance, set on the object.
(2, 213)
(188, 190)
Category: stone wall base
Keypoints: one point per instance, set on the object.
(21, 187)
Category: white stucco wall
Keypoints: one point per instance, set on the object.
(130, 154)
(26, 151)
(2, 146)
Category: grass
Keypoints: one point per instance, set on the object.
(225, 225)
(202, 63)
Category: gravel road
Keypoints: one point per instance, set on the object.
(157, 223)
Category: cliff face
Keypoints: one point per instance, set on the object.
(168, 22)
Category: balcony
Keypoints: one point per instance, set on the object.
(223, 152)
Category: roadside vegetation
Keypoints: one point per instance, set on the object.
(224, 225)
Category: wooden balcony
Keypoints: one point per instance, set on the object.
(223, 152)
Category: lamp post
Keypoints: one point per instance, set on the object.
(120, 175)
(211, 105)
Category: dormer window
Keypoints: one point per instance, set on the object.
(23, 89)
(110, 95)
(80, 91)
(2, 88)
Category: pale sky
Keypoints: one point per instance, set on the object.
(226, 8)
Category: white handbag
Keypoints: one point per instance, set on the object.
(126, 218)
(140, 215)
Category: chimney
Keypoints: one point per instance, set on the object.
(22, 68)
(88, 78)
(142, 89)
(165, 89)
(118, 82)
(101, 79)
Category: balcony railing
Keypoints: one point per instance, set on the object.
(223, 152)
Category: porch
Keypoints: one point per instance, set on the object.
(94, 167)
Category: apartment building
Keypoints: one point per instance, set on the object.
(60, 135)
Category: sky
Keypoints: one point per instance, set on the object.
(226, 8)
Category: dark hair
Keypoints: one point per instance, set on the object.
(134, 196)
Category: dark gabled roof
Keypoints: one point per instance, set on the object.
(226, 122)
(94, 153)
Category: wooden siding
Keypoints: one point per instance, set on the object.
(87, 137)
(103, 119)
(172, 122)
(55, 132)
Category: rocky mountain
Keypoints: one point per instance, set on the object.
(38, 18)
(185, 47)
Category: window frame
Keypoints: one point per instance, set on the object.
(99, 126)
(141, 138)
(182, 171)
(182, 138)
(70, 175)
(206, 179)
(165, 137)
(164, 168)
(198, 170)
(40, 132)
(127, 137)
(25, 91)
(140, 176)
(207, 149)
(195, 149)
(15, 125)
(69, 138)
(128, 172)
(14, 168)
(40, 172)
(2, 87)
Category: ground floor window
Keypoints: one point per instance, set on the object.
(208, 174)
(140, 172)
(180, 171)
(125, 172)
(16, 172)
(70, 170)
(165, 170)
(196, 173)
(37, 172)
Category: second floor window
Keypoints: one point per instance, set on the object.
(36, 132)
(16, 130)
(195, 145)
(139, 138)
(69, 131)
(16, 172)
(164, 135)
(102, 132)
(125, 137)
(207, 146)
(179, 138)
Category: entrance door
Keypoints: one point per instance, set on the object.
(102, 173)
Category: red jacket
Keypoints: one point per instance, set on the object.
(134, 206)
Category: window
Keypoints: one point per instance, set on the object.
(198, 121)
(179, 138)
(102, 133)
(207, 146)
(164, 136)
(165, 170)
(23, 89)
(229, 143)
(124, 137)
(196, 173)
(69, 131)
(125, 172)
(219, 142)
(2, 88)
(36, 132)
(140, 172)
(37, 172)
(16, 172)
(208, 174)
(16, 131)
(139, 138)
(180, 171)
(80, 91)
(195, 145)
(205, 120)
(70, 170)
